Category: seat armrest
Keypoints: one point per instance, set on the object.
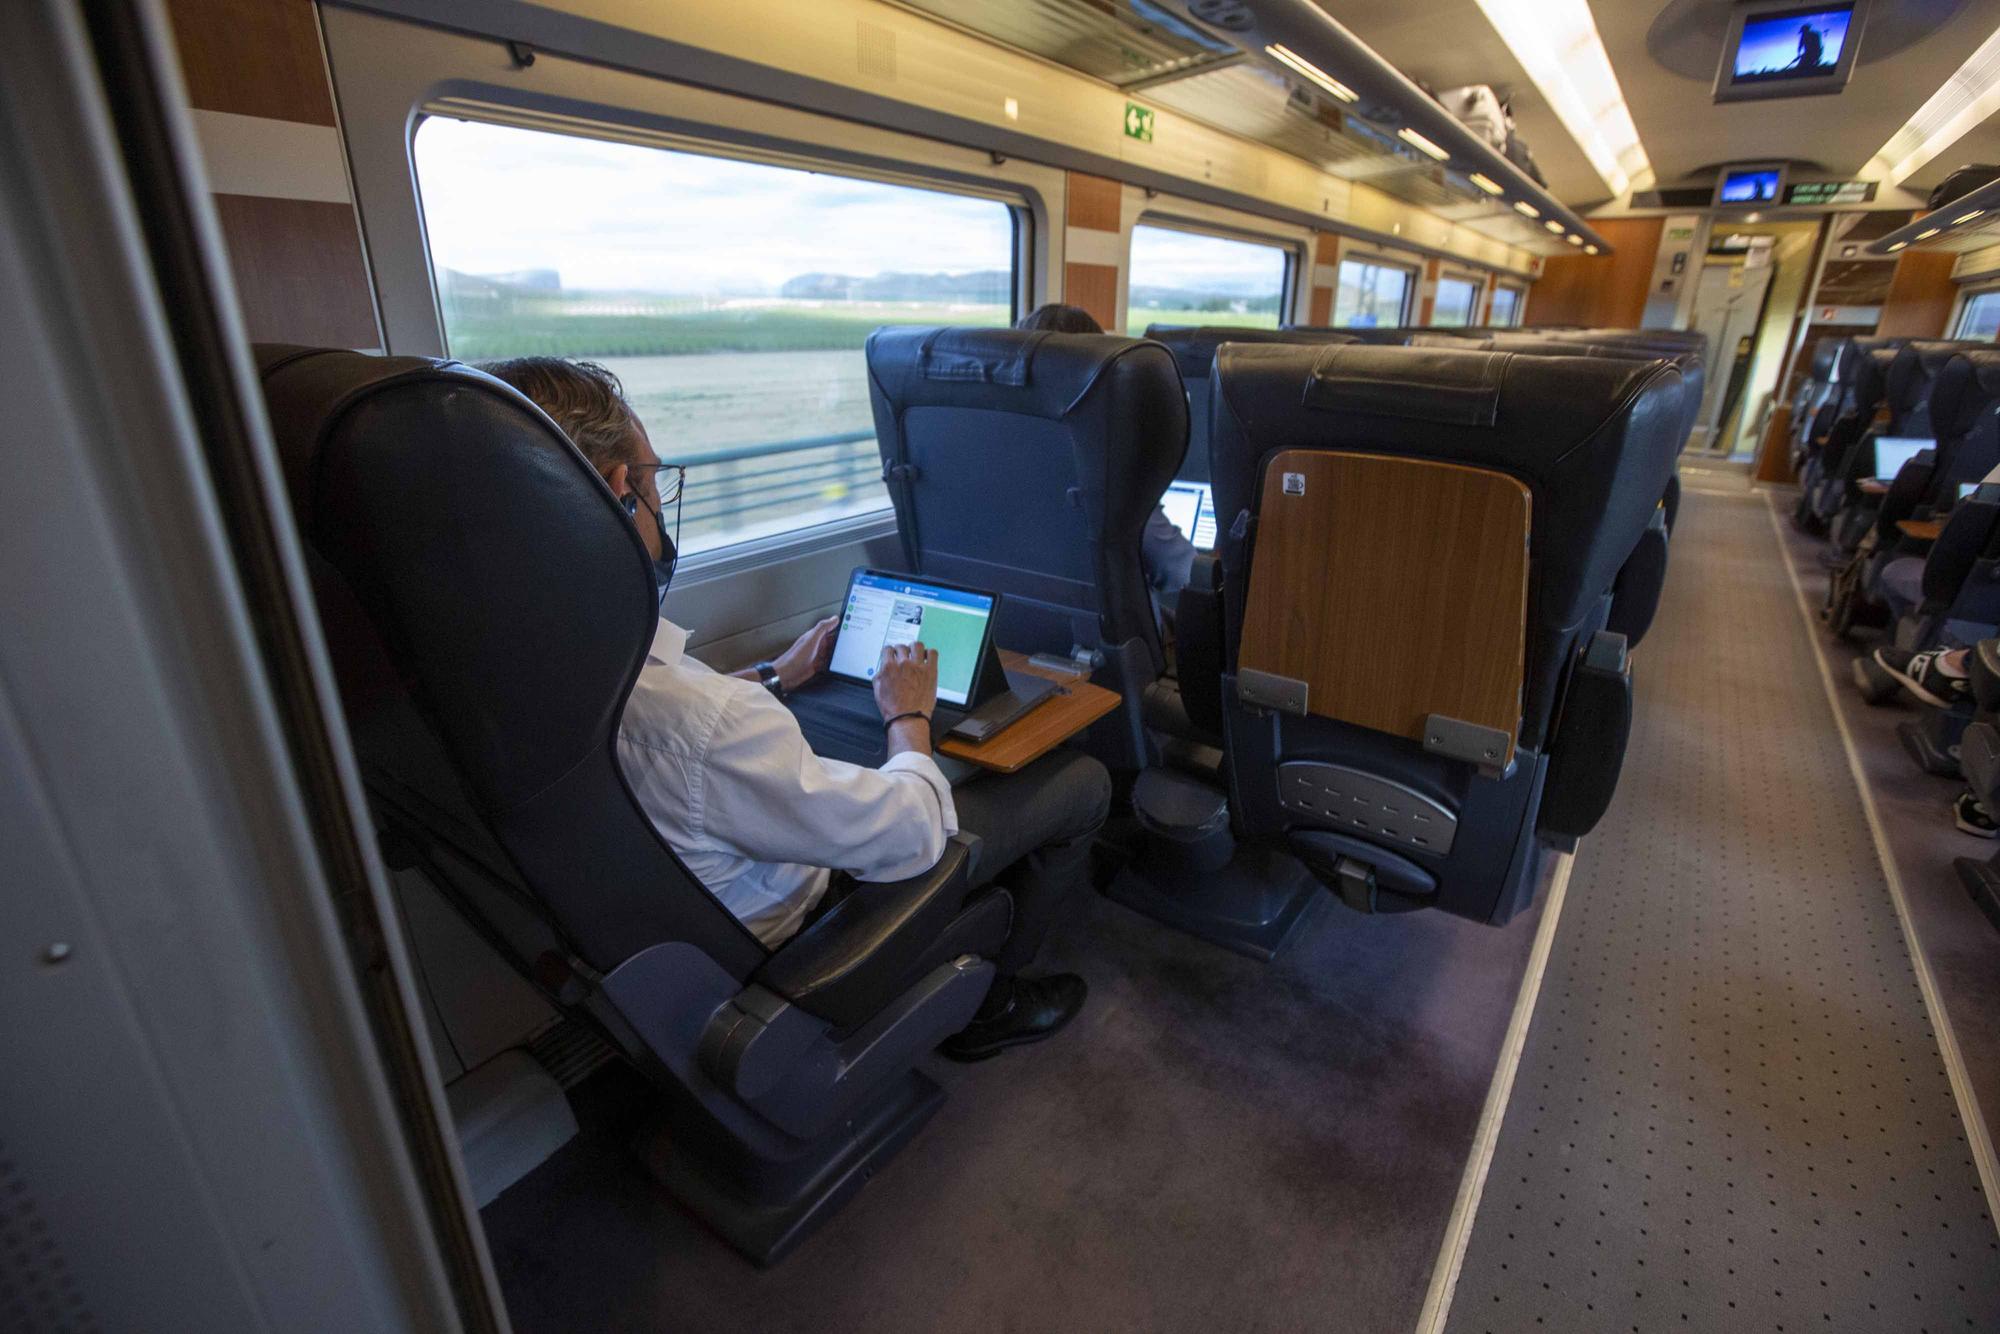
(850, 963)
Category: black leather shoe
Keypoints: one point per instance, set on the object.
(1034, 1008)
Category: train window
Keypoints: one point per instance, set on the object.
(1372, 295)
(1457, 302)
(1506, 306)
(1193, 278)
(1979, 317)
(731, 297)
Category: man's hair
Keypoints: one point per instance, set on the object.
(583, 398)
(1058, 318)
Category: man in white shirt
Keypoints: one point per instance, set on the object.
(721, 768)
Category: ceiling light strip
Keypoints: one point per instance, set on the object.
(1556, 41)
(1964, 100)
(1421, 144)
(1292, 60)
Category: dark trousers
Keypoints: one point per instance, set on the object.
(1035, 828)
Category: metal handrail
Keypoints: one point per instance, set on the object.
(731, 453)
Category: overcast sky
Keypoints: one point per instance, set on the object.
(622, 216)
(1165, 258)
(619, 216)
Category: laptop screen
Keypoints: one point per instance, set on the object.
(1893, 451)
(885, 609)
(1191, 506)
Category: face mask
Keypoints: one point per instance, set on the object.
(663, 564)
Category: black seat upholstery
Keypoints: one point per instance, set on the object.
(1594, 440)
(1194, 352)
(488, 607)
(1028, 463)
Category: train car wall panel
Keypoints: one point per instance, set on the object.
(263, 110)
(1921, 295)
(1607, 291)
(1325, 278)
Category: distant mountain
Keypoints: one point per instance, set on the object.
(988, 286)
(459, 284)
(1223, 296)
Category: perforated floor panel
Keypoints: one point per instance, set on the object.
(1731, 1112)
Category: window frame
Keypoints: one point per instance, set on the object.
(1413, 271)
(1480, 284)
(714, 142)
(1967, 298)
(1290, 247)
(1520, 291)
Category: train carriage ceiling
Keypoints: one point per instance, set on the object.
(1665, 55)
(1154, 51)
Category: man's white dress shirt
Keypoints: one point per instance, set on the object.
(724, 773)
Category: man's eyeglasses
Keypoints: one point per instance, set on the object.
(669, 481)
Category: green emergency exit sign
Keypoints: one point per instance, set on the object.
(1138, 122)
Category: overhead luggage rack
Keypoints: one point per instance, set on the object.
(1966, 223)
(1285, 74)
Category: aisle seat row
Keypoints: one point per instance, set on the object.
(1378, 618)
(1398, 679)
(1903, 482)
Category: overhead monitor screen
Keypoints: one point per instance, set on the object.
(1792, 44)
(1757, 185)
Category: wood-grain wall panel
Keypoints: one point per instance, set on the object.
(1095, 202)
(300, 274)
(253, 58)
(1425, 618)
(1095, 288)
(1920, 296)
(1601, 291)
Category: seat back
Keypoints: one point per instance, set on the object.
(1194, 348)
(457, 536)
(1965, 415)
(1912, 376)
(1421, 546)
(1028, 463)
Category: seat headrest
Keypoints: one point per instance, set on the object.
(1870, 384)
(1194, 346)
(1968, 385)
(498, 570)
(1031, 372)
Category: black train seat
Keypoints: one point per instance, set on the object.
(1027, 464)
(1411, 532)
(1194, 348)
(488, 607)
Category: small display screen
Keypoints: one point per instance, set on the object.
(1966, 488)
(884, 609)
(1756, 186)
(1191, 506)
(1893, 451)
(1794, 44)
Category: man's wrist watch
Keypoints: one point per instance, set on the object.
(769, 676)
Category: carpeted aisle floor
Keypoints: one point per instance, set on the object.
(1731, 1111)
(1213, 1144)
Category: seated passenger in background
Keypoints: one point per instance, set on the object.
(721, 768)
(1164, 550)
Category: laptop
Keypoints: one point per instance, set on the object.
(977, 696)
(1893, 451)
(1191, 507)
